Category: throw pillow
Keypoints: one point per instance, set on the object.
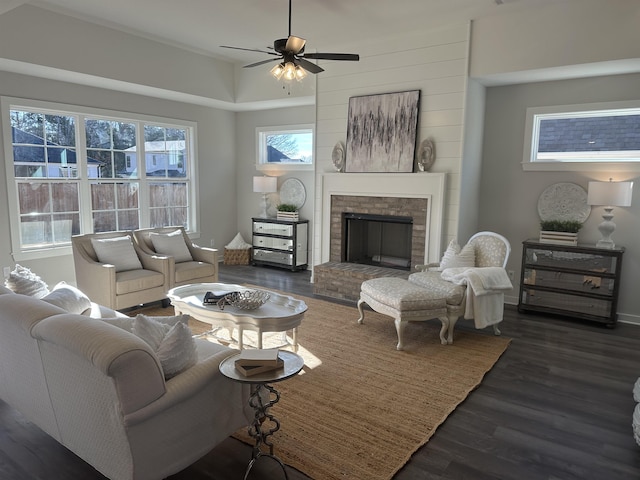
(69, 298)
(117, 251)
(455, 258)
(24, 281)
(171, 244)
(173, 344)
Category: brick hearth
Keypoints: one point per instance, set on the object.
(343, 280)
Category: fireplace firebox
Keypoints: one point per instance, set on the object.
(381, 240)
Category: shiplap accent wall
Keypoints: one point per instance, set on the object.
(434, 61)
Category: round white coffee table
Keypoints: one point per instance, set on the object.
(279, 314)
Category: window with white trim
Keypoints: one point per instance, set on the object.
(285, 147)
(583, 137)
(73, 170)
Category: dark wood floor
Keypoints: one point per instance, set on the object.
(557, 406)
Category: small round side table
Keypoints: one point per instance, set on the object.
(263, 397)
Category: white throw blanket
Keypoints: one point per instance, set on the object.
(485, 292)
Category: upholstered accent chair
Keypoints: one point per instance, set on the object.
(189, 263)
(113, 271)
(486, 249)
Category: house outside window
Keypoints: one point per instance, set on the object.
(583, 137)
(285, 147)
(61, 186)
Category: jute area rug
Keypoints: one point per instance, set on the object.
(360, 408)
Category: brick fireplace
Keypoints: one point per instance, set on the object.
(417, 195)
(416, 208)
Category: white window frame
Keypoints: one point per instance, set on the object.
(12, 103)
(595, 161)
(261, 148)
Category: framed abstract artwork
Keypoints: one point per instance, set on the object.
(381, 132)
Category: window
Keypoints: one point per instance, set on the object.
(81, 171)
(583, 137)
(285, 148)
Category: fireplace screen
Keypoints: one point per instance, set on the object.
(382, 240)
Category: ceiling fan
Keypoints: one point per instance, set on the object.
(293, 61)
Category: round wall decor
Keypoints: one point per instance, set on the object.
(563, 201)
(292, 192)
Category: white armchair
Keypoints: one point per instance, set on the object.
(189, 263)
(120, 282)
(486, 249)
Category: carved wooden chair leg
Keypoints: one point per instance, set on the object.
(453, 319)
(400, 324)
(444, 330)
(360, 303)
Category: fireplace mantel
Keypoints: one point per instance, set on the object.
(401, 185)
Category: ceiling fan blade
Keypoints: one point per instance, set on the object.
(310, 67)
(249, 50)
(295, 44)
(353, 57)
(261, 63)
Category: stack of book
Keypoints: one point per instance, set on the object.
(253, 362)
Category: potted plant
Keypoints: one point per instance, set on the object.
(563, 232)
(287, 211)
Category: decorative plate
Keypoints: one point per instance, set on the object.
(563, 201)
(292, 192)
(337, 157)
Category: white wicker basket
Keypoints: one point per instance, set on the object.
(560, 238)
(291, 216)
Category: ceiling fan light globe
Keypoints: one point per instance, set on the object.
(278, 71)
(301, 73)
(289, 71)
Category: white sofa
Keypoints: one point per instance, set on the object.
(100, 390)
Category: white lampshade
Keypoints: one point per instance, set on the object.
(611, 194)
(265, 184)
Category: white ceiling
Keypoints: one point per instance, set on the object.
(328, 25)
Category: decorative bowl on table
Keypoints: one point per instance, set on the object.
(245, 299)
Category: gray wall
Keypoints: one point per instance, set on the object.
(216, 160)
(509, 195)
(248, 202)
(471, 161)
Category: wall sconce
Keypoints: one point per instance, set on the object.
(609, 194)
(265, 185)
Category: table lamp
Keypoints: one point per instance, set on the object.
(265, 185)
(609, 194)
